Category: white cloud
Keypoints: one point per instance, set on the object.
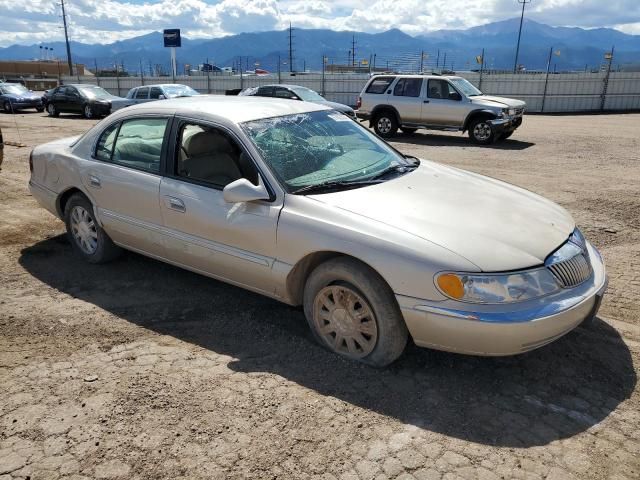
(91, 21)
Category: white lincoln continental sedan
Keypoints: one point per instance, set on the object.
(301, 203)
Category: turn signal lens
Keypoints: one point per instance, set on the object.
(451, 285)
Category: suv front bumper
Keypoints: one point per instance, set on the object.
(509, 124)
(496, 330)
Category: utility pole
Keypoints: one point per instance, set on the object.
(515, 63)
(66, 38)
(353, 51)
(605, 86)
(546, 80)
(290, 48)
(421, 61)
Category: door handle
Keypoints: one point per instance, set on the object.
(176, 204)
(94, 181)
(425, 101)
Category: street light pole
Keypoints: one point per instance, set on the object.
(66, 38)
(515, 64)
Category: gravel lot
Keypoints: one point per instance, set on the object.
(139, 370)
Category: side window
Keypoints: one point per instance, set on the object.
(155, 93)
(265, 92)
(408, 87)
(284, 93)
(104, 148)
(132, 93)
(379, 85)
(139, 143)
(438, 89)
(207, 154)
(142, 93)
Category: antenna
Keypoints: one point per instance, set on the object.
(66, 38)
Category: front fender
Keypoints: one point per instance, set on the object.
(484, 112)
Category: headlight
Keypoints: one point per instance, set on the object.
(496, 288)
(512, 111)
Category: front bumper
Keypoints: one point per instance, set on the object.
(504, 125)
(21, 105)
(496, 330)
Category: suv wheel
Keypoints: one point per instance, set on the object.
(480, 131)
(385, 124)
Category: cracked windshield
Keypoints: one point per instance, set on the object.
(313, 149)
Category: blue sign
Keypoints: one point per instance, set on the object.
(172, 37)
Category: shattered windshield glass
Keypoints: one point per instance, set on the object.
(318, 147)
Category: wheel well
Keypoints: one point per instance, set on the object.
(477, 114)
(298, 275)
(384, 108)
(64, 198)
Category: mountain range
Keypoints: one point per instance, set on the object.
(576, 49)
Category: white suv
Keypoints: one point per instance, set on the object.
(437, 102)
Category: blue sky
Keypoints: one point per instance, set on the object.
(104, 21)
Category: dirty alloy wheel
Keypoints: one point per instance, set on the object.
(352, 311)
(87, 111)
(481, 132)
(385, 125)
(52, 110)
(87, 237)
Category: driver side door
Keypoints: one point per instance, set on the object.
(235, 242)
(444, 106)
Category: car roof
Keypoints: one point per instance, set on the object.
(414, 75)
(232, 108)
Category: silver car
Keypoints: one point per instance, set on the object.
(297, 202)
(151, 93)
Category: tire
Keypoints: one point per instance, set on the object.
(52, 110)
(7, 107)
(480, 131)
(87, 111)
(87, 238)
(385, 124)
(381, 331)
(408, 130)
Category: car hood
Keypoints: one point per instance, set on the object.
(22, 96)
(498, 101)
(336, 106)
(494, 225)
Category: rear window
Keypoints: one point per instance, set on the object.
(379, 85)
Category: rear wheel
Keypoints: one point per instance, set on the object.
(7, 107)
(481, 132)
(88, 239)
(408, 130)
(385, 124)
(52, 110)
(352, 311)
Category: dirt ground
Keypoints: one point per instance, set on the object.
(139, 370)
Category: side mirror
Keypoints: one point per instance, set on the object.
(242, 190)
(161, 97)
(455, 96)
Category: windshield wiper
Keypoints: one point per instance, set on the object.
(334, 185)
(396, 169)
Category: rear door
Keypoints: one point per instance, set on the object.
(406, 97)
(235, 242)
(443, 105)
(124, 182)
(142, 95)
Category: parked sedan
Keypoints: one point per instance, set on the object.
(14, 97)
(299, 203)
(89, 100)
(296, 92)
(151, 93)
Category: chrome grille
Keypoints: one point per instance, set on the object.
(573, 271)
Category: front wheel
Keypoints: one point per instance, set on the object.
(481, 132)
(385, 124)
(88, 239)
(7, 107)
(87, 111)
(352, 311)
(52, 110)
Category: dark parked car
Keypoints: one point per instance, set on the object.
(14, 97)
(47, 95)
(296, 92)
(88, 100)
